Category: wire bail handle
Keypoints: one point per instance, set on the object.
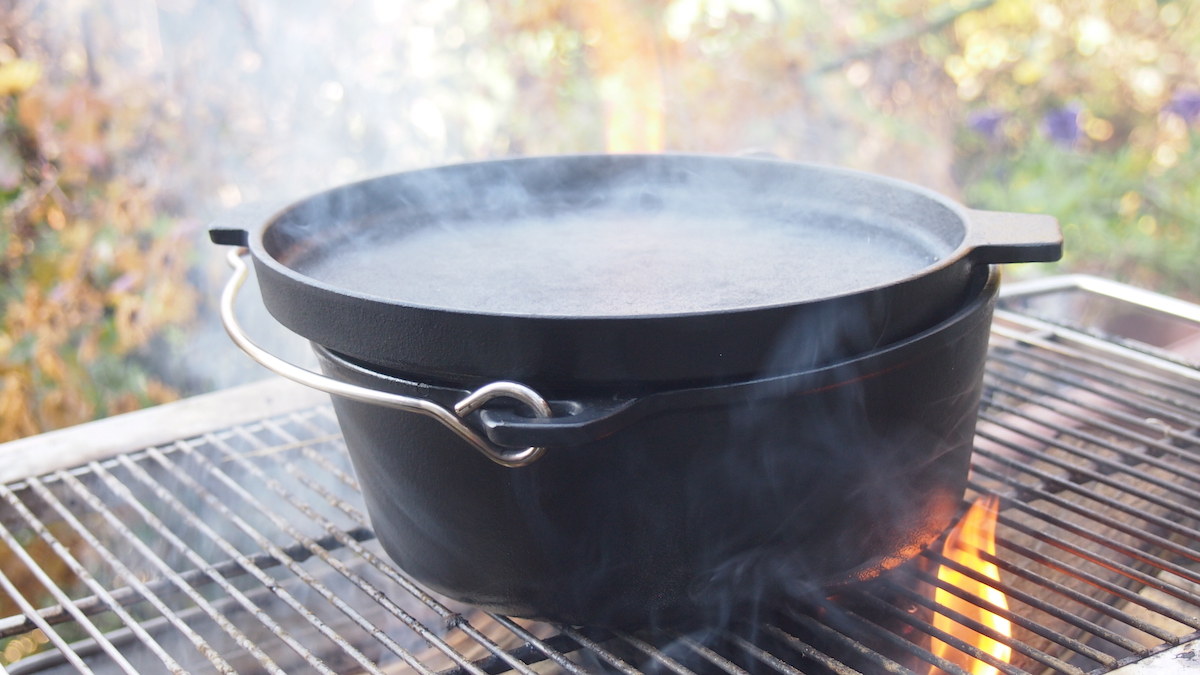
(453, 420)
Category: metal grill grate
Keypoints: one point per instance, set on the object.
(249, 550)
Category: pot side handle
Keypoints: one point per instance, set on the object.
(999, 237)
(452, 419)
(233, 227)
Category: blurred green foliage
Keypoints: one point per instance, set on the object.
(91, 271)
(1088, 111)
(1119, 219)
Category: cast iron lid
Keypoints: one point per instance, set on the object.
(639, 270)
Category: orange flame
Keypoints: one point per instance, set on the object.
(630, 77)
(976, 532)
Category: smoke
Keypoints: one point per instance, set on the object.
(274, 100)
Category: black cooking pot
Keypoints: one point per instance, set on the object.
(738, 377)
(622, 272)
(687, 504)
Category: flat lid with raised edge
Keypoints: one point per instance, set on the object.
(636, 248)
(658, 268)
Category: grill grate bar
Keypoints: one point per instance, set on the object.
(1011, 616)
(1026, 492)
(1018, 570)
(1138, 440)
(190, 554)
(1114, 566)
(964, 620)
(1029, 361)
(366, 586)
(92, 604)
(141, 455)
(109, 602)
(47, 583)
(806, 650)
(1114, 469)
(1108, 389)
(1041, 341)
(1095, 414)
(831, 636)
(1096, 582)
(390, 572)
(1129, 457)
(656, 655)
(15, 595)
(704, 652)
(123, 636)
(1049, 608)
(928, 629)
(1075, 471)
(544, 646)
(595, 648)
(528, 654)
(178, 620)
(162, 493)
(265, 543)
(1130, 551)
(1154, 362)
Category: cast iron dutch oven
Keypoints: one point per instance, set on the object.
(740, 379)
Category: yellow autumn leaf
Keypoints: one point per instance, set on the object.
(18, 75)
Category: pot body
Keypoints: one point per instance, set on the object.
(790, 486)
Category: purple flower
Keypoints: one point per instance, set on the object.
(1062, 124)
(1186, 104)
(986, 122)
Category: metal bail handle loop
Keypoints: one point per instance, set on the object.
(469, 404)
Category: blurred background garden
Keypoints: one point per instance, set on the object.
(126, 125)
